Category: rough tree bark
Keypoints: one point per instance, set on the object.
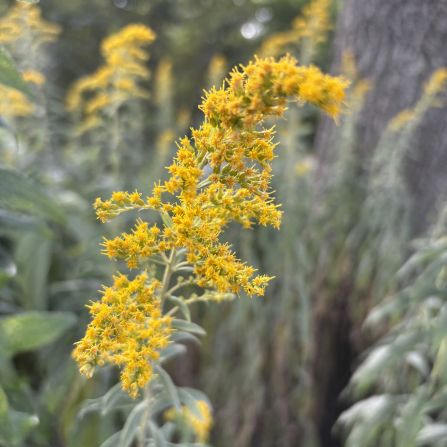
(397, 44)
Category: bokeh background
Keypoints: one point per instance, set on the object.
(349, 346)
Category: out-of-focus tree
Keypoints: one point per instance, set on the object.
(397, 45)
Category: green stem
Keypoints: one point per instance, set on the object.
(142, 437)
(169, 270)
(187, 302)
(179, 286)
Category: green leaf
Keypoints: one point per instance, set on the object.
(33, 277)
(32, 330)
(16, 427)
(411, 418)
(432, 433)
(11, 222)
(190, 399)
(184, 336)
(169, 387)
(20, 194)
(170, 351)
(182, 306)
(157, 435)
(112, 399)
(4, 406)
(9, 75)
(132, 425)
(113, 441)
(188, 326)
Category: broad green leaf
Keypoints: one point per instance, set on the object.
(33, 256)
(9, 75)
(32, 330)
(20, 194)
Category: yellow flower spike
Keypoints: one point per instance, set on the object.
(437, 82)
(313, 24)
(219, 175)
(24, 21)
(115, 82)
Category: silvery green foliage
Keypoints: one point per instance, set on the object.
(402, 380)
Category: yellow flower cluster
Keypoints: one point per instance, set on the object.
(115, 82)
(431, 89)
(200, 425)
(222, 174)
(21, 27)
(34, 77)
(437, 82)
(24, 21)
(127, 329)
(312, 24)
(13, 103)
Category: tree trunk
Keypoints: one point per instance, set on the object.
(397, 44)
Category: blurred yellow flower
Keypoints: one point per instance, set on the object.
(34, 77)
(24, 21)
(116, 82)
(312, 24)
(200, 425)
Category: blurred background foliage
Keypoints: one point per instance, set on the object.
(353, 327)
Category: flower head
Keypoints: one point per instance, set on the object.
(127, 329)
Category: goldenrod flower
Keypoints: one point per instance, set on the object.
(14, 103)
(219, 175)
(437, 82)
(408, 118)
(34, 77)
(312, 24)
(237, 153)
(200, 425)
(127, 330)
(117, 81)
(24, 21)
